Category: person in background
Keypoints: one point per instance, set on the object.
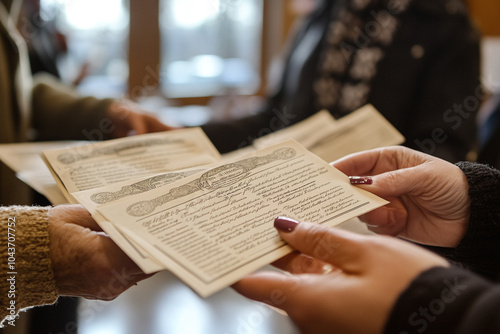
(57, 251)
(41, 108)
(382, 284)
(46, 44)
(416, 61)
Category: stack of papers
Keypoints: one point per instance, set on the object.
(171, 202)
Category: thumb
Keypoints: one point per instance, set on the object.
(340, 248)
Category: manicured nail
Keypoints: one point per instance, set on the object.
(360, 180)
(285, 224)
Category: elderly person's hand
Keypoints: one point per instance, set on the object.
(86, 262)
(357, 297)
(429, 196)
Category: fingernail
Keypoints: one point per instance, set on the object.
(360, 180)
(285, 224)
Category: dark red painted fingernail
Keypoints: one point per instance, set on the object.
(285, 224)
(360, 180)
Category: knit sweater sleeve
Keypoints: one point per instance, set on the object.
(446, 300)
(480, 246)
(26, 277)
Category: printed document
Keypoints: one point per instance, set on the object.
(214, 227)
(102, 163)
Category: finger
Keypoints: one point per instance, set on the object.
(137, 123)
(389, 220)
(127, 118)
(73, 214)
(377, 161)
(362, 163)
(154, 124)
(272, 288)
(340, 248)
(297, 263)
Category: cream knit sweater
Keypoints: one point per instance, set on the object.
(26, 276)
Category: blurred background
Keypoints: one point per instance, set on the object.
(188, 61)
(214, 56)
(183, 59)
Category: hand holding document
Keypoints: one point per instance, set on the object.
(321, 133)
(214, 227)
(170, 202)
(92, 198)
(110, 163)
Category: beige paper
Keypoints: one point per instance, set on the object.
(25, 160)
(306, 132)
(362, 129)
(102, 163)
(92, 198)
(213, 228)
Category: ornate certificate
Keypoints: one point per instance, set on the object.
(216, 226)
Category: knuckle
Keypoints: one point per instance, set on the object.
(320, 243)
(392, 179)
(314, 234)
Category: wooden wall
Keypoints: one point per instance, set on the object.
(487, 15)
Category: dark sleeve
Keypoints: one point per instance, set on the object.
(447, 300)
(480, 246)
(235, 134)
(59, 113)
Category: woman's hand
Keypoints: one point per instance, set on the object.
(429, 196)
(371, 272)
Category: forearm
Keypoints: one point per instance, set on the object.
(26, 278)
(235, 134)
(59, 113)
